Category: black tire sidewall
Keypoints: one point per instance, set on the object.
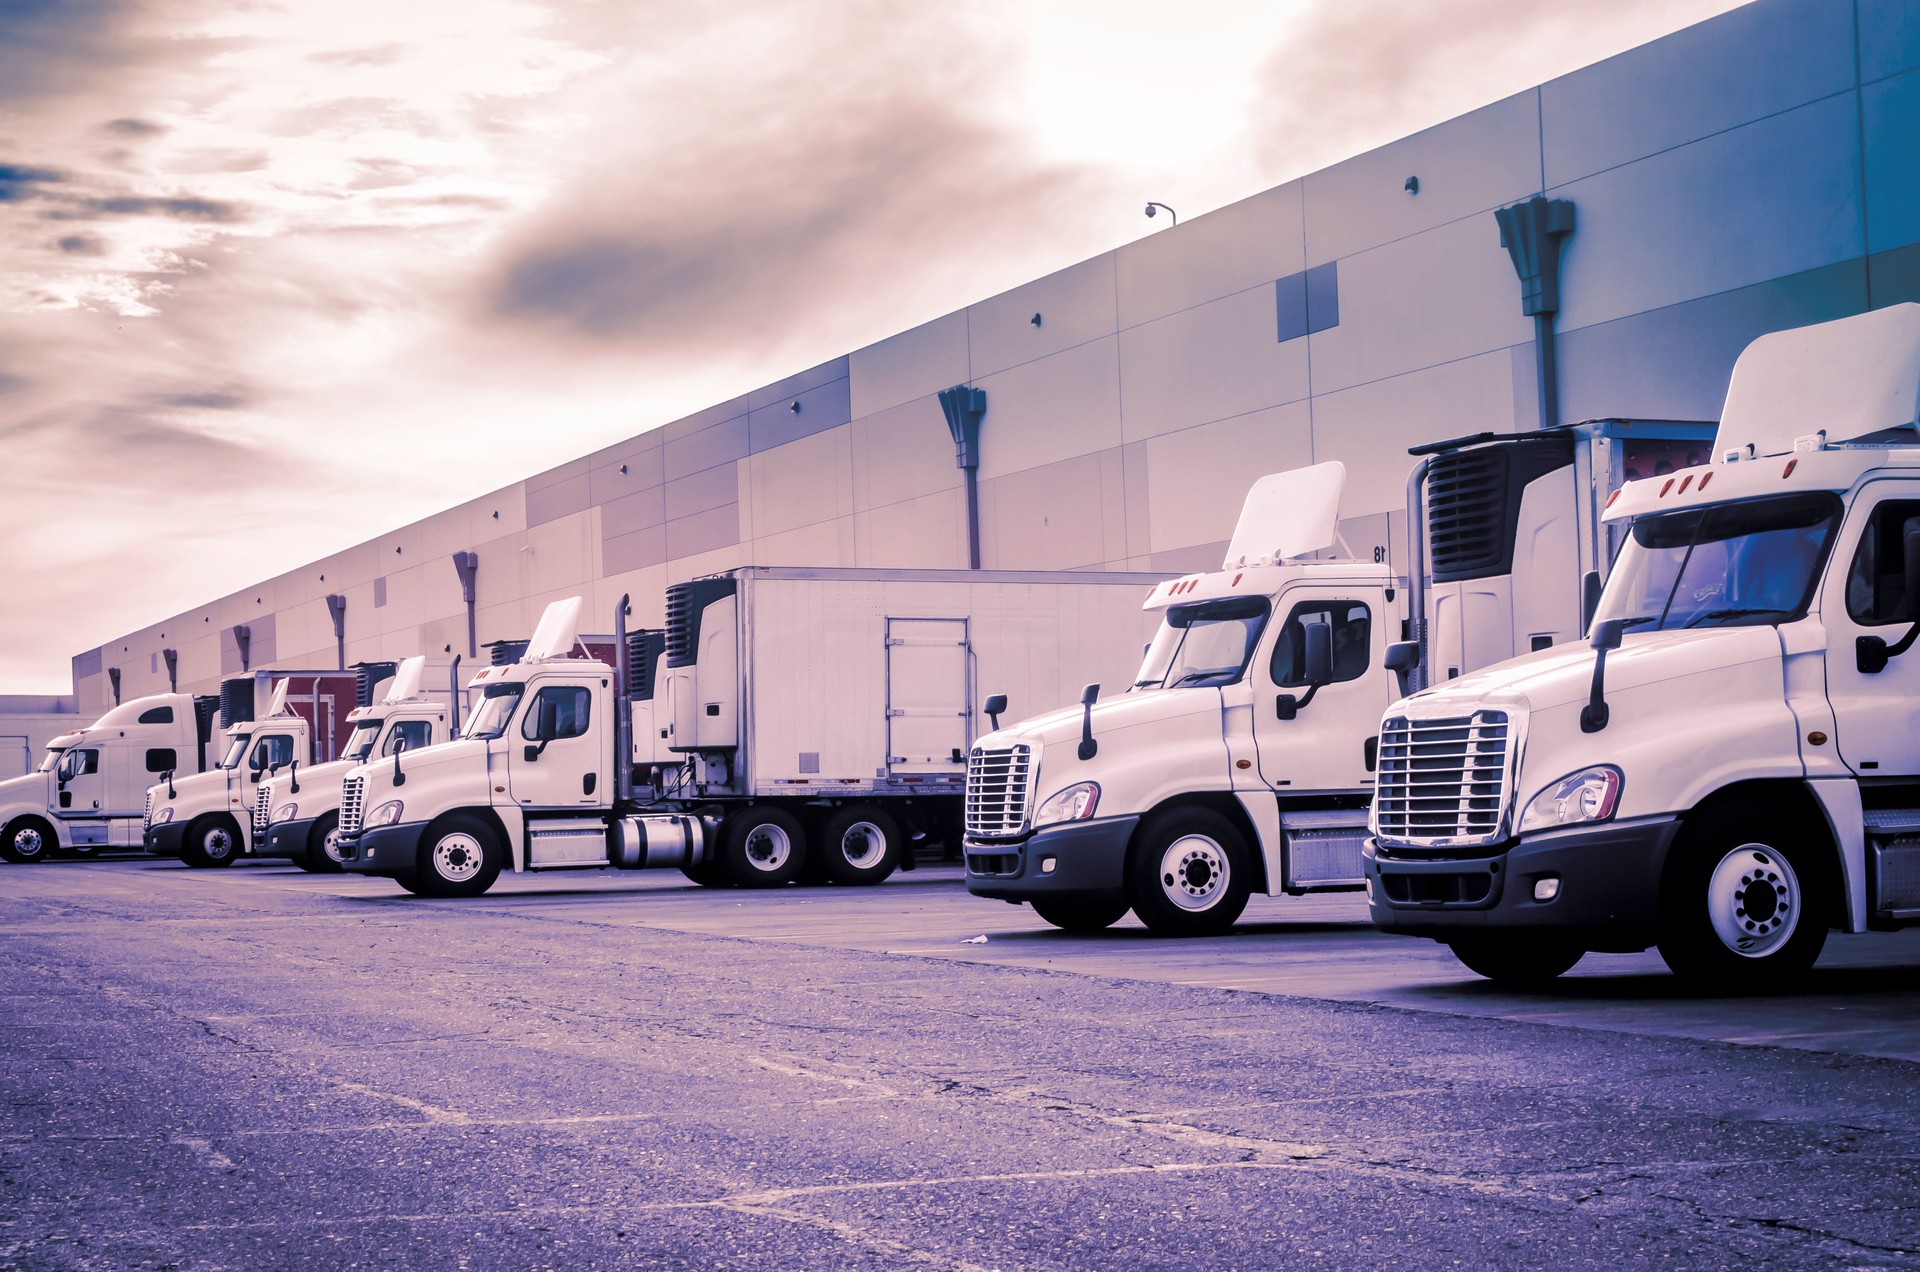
(1521, 960)
(834, 862)
(1144, 894)
(1688, 942)
(193, 845)
(315, 858)
(47, 840)
(734, 836)
(1080, 914)
(429, 882)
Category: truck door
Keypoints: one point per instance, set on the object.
(272, 752)
(1324, 747)
(81, 785)
(1876, 727)
(559, 750)
(927, 695)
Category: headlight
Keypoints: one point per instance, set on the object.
(1590, 795)
(286, 812)
(385, 815)
(164, 814)
(1075, 803)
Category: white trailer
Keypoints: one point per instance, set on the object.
(788, 723)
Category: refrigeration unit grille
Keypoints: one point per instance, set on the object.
(353, 798)
(1443, 782)
(997, 781)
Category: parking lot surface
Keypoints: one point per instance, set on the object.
(258, 1068)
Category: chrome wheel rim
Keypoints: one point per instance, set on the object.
(456, 857)
(217, 844)
(768, 847)
(1754, 901)
(863, 844)
(29, 842)
(1194, 874)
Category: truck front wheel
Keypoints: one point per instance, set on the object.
(860, 844)
(1187, 873)
(459, 857)
(1074, 914)
(1517, 961)
(1743, 908)
(26, 839)
(323, 846)
(210, 842)
(763, 847)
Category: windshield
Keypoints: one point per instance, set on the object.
(1729, 565)
(360, 745)
(235, 749)
(490, 714)
(1205, 643)
(52, 758)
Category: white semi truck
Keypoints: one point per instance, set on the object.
(88, 792)
(1241, 757)
(787, 723)
(296, 814)
(205, 819)
(1732, 767)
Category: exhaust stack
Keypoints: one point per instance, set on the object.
(622, 709)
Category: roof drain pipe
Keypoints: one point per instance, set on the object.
(467, 566)
(337, 607)
(622, 709)
(1532, 232)
(964, 407)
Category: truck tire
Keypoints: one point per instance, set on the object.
(212, 841)
(1078, 914)
(1187, 873)
(1744, 906)
(859, 845)
(763, 847)
(322, 855)
(26, 840)
(1520, 961)
(460, 856)
(711, 873)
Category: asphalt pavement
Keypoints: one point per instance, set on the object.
(258, 1068)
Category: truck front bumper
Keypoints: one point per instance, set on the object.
(284, 839)
(165, 839)
(1608, 896)
(385, 850)
(1074, 859)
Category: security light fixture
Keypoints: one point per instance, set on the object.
(1169, 211)
(623, 473)
(1035, 320)
(794, 406)
(1412, 186)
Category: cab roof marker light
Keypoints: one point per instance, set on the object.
(1811, 442)
(1685, 482)
(1615, 495)
(1665, 487)
(1704, 479)
(1788, 470)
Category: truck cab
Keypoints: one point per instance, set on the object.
(205, 819)
(296, 814)
(1729, 768)
(89, 790)
(1240, 758)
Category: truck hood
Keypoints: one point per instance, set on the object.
(458, 751)
(30, 787)
(1564, 674)
(1110, 715)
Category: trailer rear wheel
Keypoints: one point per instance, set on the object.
(1078, 914)
(459, 857)
(763, 847)
(26, 839)
(1187, 873)
(323, 846)
(210, 842)
(859, 845)
(1744, 904)
(1517, 961)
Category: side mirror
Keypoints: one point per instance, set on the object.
(1870, 655)
(1088, 747)
(996, 706)
(1910, 544)
(1318, 652)
(1402, 657)
(1607, 635)
(1589, 598)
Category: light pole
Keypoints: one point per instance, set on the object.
(1170, 212)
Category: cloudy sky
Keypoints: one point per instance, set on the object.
(278, 275)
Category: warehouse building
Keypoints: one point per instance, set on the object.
(1750, 173)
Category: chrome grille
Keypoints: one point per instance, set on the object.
(1443, 781)
(262, 810)
(997, 784)
(146, 820)
(353, 798)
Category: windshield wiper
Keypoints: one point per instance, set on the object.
(1201, 673)
(1698, 619)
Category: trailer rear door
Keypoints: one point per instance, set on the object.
(929, 690)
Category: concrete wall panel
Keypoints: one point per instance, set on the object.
(1207, 363)
(1244, 245)
(1194, 498)
(1076, 305)
(1053, 409)
(918, 361)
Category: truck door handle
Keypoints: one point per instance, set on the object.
(587, 782)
